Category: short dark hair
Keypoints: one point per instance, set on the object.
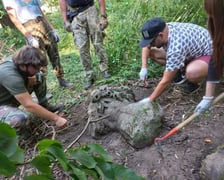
(29, 55)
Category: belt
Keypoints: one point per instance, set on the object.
(81, 8)
(37, 20)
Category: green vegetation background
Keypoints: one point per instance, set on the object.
(122, 37)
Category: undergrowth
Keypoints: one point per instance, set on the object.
(121, 42)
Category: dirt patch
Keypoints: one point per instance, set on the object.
(182, 152)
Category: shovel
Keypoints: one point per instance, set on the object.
(183, 124)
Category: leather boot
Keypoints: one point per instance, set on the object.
(64, 83)
(88, 84)
(106, 75)
(52, 108)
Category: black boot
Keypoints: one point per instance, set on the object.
(88, 84)
(106, 75)
(64, 83)
(191, 87)
(52, 108)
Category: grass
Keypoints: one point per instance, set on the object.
(121, 43)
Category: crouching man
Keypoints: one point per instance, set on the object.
(20, 76)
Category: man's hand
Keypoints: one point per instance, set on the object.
(32, 41)
(143, 74)
(56, 36)
(204, 105)
(68, 26)
(61, 122)
(103, 23)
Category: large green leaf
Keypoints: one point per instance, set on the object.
(7, 167)
(43, 144)
(18, 156)
(91, 173)
(38, 177)
(105, 170)
(123, 173)
(58, 153)
(8, 139)
(83, 157)
(97, 149)
(77, 173)
(42, 163)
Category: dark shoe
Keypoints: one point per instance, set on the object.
(53, 108)
(191, 87)
(179, 78)
(106, 75)
(64, 83)
(49, 96)
(88, 84)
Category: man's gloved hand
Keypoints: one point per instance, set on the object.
(56, 36)
(68, 26)
(204, 105)
(32, 41)
(103, 23)
(143, 74)
(145, 100)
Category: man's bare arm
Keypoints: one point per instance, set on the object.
(27, 102)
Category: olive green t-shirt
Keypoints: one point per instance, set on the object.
(11, 83)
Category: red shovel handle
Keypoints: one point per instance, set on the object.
(170, 133)
(186, 122)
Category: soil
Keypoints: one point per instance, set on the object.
(182, 153)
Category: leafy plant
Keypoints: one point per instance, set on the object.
(80, 163)
(121, 42)
(10, 153)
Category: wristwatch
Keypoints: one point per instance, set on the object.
(104, 16)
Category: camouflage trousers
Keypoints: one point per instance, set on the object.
(41, 30)
(17, 117)
(85, 27)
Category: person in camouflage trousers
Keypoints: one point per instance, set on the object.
(81, 18)
(16, 85)
(29, 19)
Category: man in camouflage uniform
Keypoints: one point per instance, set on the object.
(16, 85)
(29, 19)
(81, 18)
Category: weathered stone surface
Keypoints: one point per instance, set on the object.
(138, 122)
(213, 165)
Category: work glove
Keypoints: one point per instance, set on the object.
(145, 100)
(103, 23)
(204, 105)
(32, 41)
(68, 26)
(56, 36)
(143, 74)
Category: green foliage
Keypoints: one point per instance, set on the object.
(122, 37)
(87, 161)
(11, 39)
(124, 32)
(121, 42)
(10, 153)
